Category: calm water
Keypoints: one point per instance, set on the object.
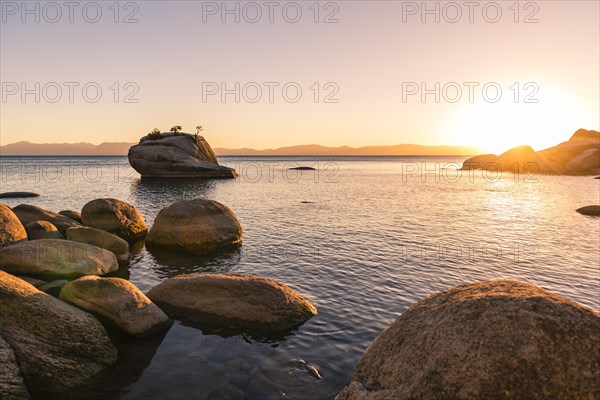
(362, 238)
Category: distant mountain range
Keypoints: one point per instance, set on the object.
(121, 149)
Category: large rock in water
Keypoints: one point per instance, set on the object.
(592, 211)
(233, 303)
(116, 217)
(11, 228)
(119, 301)
(102, 239)
(57, 258)
(57, 346)
(488, 340)
(28, 213)
(181, 155)
(580, 155)
(199, 226)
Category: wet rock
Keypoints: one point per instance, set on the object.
(119, 301)
(116, 217)
(488, 340)
(55, 257)
(42, 230)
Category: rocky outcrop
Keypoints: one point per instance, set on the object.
(42, 230)
(12, 385)
(580, 155)
(102, 239)
(592, 211)
(28, 213)
(56, 258)
(198, 226)
(233, 303)
(116, 217)
(57, 346)
(488, 340)
(74, 215)
(119, 301)
(11, 228)
(180, 155)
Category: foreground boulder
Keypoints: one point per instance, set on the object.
(42, 230)
(593, 211)
(199, 226)
(56, 257)
(116, 217)
(57, 346)
(74, 215)
(119, 301)
(11, 229)
(233, 303)
(580, 155)
(180, 155)
(102, 239)
(489, 340)
(12, 385)
(28, 213)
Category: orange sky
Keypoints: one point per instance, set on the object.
(370, 61)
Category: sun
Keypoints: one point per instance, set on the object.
(497, 127)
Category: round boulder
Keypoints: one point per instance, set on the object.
(232, 303)
(102, 239)
(11, 229)
(593, 211)
(28, 213)
(199, 226)
(119, 301)
(115, 216)
(57, 257)
(488, 340)
(74, 215)
(42, 230)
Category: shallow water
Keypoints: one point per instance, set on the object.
(362, 238)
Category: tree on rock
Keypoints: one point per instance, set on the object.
(176, 128)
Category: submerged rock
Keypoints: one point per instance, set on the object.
(28, 213)
(116, 217)
(16, 195)
(198, 226)
(56, 257)
(119, 301)
(302, 169)
(488, 340)
(11, 228)
(593, 211)
(176, 155)
(57, 345)
(102, 239)
(233, 303)
(42, 230)
(74, 215)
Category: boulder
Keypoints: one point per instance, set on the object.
(53, 288)
(116, 217)
(232, 303)
(181, 155)
(74, 215)
(11, 229)
(37, 283)
(28, 213)
(57, 346)
(16, 195)
(199, 226)
(102, 239)
(12, 385)
(56, 257)
(593, 211)
(119, 301)
(488, 340)
(42, 230)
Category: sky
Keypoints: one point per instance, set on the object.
(269, 74)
